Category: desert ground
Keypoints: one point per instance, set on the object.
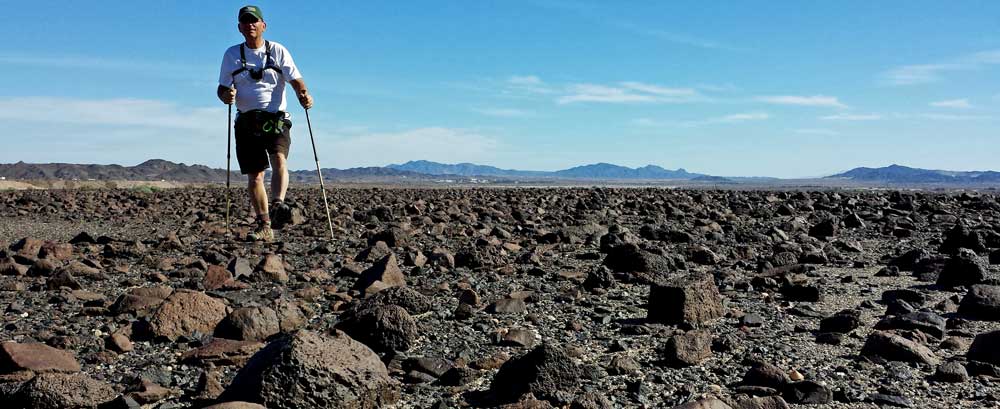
(139, 296)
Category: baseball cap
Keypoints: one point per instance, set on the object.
(251, 10)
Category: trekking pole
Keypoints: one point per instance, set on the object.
(322, 189)
(229, 134)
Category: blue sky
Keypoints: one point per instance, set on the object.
(777, 88)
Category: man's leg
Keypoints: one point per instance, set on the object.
(258, 195)
(279, 176)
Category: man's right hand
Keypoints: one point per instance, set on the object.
(227, 95)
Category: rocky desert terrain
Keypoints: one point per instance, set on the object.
(496, 297)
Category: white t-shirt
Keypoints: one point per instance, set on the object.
(268, 93)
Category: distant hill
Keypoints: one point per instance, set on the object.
(903, 174)
(593, 171)
(158, 169)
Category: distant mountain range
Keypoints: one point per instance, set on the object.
(903, 174)
(424, 171)
(594, 171)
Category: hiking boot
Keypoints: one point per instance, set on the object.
(281, 215)
(263, 233)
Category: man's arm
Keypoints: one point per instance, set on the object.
(226, 95)
(302, 93)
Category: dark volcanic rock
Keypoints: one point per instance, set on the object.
(927, 322)
(893, 347)
(691, 300)
(383, 274)
(960, 237)
(547, 372)
(765, 375)
(60, 391)
(249, 324)
(383, 328)
(843, 322)
(984, 348)
(644, 267)
(963, 269)
(982, 302)
(808, 392)
(687, 349)
(306, 369)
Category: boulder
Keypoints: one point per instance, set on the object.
(687, 349)
(383, 328)
(962, 269)
(984, 348)
(36, 357)
(383, 274)
(547, 372)
(60, 391)
(185, 312)
(306, 369)
(892, 347)
(249, 324)
(691, 300)
(982, 302)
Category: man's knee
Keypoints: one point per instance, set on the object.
(278, 161)
(255, 178)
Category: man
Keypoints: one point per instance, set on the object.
(253, 74)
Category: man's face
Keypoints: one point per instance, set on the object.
(251, 27)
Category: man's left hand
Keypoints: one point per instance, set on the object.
(306, 100)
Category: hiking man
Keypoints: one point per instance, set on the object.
(253, 74)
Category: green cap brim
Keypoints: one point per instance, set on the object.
(251, 10)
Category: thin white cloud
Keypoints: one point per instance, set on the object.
(813, 101)
(110, 112)
(927, 73)
(725, 119)
(952, 103)
(526, 84)
(948, 117)
(852, 117)
(602, 93)
(627, 92)
(658, 90)
(104, 64)
(817, 131)
(676, 38)
(505, 112)
(750, 116)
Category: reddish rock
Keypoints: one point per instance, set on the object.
(36, 357)
(217, 277)
(383, 274)
(185, 312)
(272, 269)
(221, 351)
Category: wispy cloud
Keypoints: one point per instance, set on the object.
(627, 92)
(813, 101)
(725, 119)
(927, 73)
(852, 117)
(817, 131)
(530, 84)
(948, 117)
(99, 63)
(952, 103)
(110, 112)
(505, 112)
(676, 38)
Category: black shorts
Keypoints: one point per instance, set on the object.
(254, 141)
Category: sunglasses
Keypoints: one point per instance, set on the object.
(248, 20)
